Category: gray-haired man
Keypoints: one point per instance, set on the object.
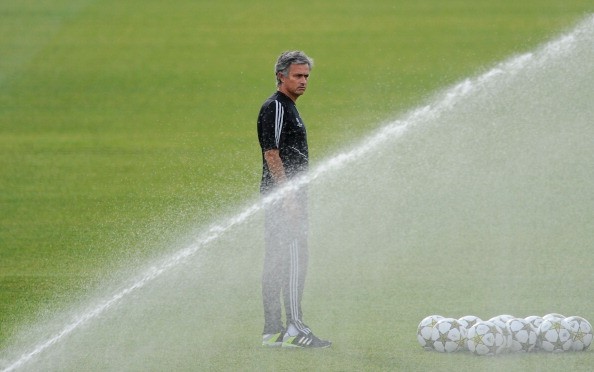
(283, 140)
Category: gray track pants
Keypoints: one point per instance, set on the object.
(285, 263)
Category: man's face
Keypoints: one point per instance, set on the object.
(295, 83)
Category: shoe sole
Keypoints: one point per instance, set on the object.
(305, 347)
(287, 345)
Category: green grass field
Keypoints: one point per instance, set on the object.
(123, 125)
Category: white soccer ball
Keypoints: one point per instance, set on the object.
(553, 316)
(501, 322)
(469, 320)
(425, 329)
(523, 335)
(466, 322)
(535, 320)
(554, 335)
(448, 335)
(485, 338)
(581, 333)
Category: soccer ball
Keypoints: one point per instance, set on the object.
(554, 335)
(581, 333)
(535, 320)
(469, 320)
(448, 335)
(523, 335)
(485, 338)
(553, 316)
(466, 322)
(501, 322)
(425, 329)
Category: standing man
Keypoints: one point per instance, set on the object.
(283, 140)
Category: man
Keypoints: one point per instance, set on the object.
(283, 140)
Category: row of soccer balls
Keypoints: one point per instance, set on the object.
(504, 333)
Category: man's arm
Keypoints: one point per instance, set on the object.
(277, 170)
(275, 165)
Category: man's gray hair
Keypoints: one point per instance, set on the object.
(286, 59)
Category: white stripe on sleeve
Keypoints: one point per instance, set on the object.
(278, 122)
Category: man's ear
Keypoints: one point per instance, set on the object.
(280, 77)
